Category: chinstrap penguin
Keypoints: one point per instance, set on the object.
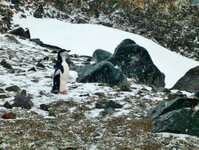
(61, 73)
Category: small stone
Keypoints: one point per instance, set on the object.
(100, 94)
(21, 100)
(107, 111)
(5, 64)
(83, 95)
(95, 134)
(2, 91)
(44, 107)
(51, 113)
(7, 105)
(2, 96)
(9, 116)
(101, 103)
(104, 103)
(13, 88)
(40, 65)
(112, 104)
(32, 69)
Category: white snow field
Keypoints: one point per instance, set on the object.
(83, 39)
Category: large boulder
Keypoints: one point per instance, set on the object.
(180, 115)
(100, 55)
(175, 104)
(21, 32)
(136, 63)
(189, 82)
(177, 121)
(103, 72)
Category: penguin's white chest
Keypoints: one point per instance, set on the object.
(65, 74)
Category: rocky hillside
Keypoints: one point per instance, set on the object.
(172, 24)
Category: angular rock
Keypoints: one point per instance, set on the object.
(44, 107)
(21, 32)
(40, 65)
(7, 105)
(175, 104)
(32, 69)
(189, 82)
(23, 101)
(13, 88)
(39, 12)
(184, 121)
(105, 104)
(136, 63)
(103, 72)
(5, 64)
(100, 55)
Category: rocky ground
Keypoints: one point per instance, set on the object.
(83, 119)
(90, 116)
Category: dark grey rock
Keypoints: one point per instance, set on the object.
(40, 65)
(13, 88)
(189, 82)
(177, 121)
(7, 105)
(21, 100)
(16, 2)
(21, 32)
(39, 12)
(105, 104)
(37, 41)
(103, 72)
(5, 64)
(136, 63)
(32, 69)
(175, 104)
(100, 55)
(44, 107)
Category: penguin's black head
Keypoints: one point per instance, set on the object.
(62, 54)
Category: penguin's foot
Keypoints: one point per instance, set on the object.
(63, 92)
(55, 91)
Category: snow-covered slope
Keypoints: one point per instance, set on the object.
(83, 39)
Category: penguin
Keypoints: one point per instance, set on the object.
(61, 73)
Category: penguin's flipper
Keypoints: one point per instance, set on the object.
(57, 72)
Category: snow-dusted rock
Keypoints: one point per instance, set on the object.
(189, 82)
(21, 32)
(136, 63)
(100, 54)
(23, 101)
(103, 72)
